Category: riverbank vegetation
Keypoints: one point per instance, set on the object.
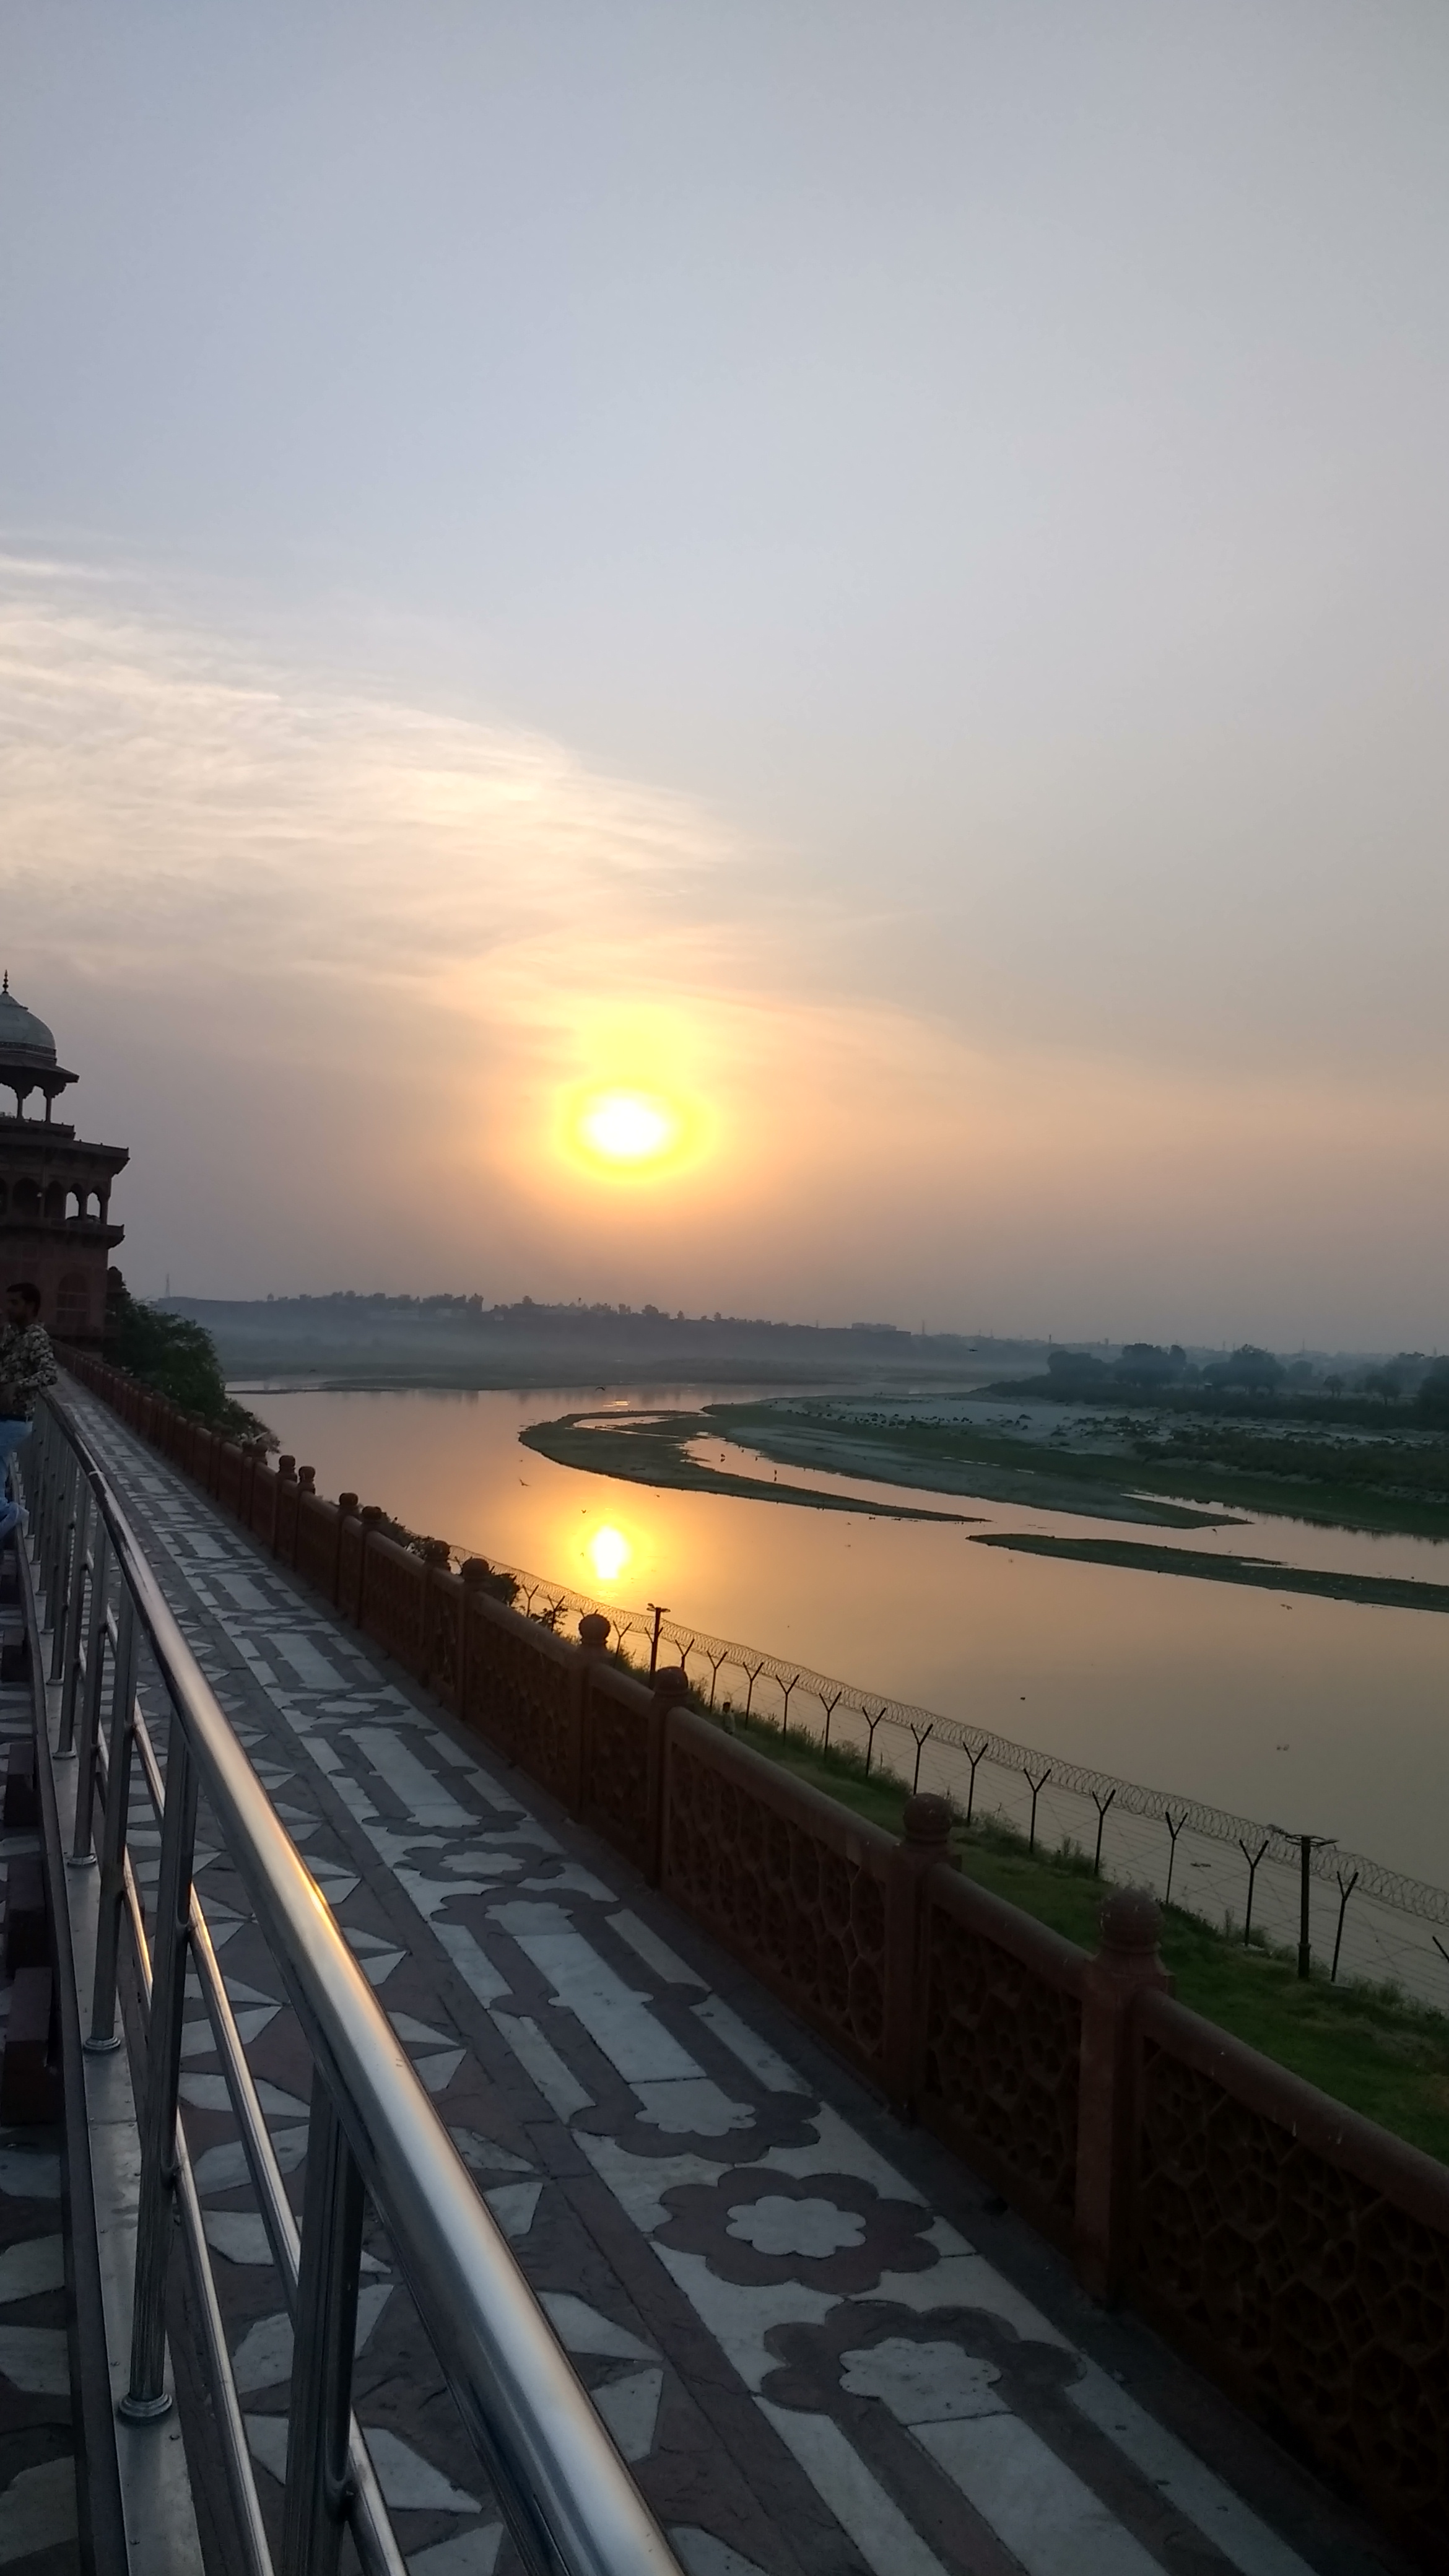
(1367, 2046)
(1118, 1462)
(178, 1358)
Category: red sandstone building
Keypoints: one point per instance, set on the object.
(55, 1191)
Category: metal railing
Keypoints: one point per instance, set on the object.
(373, 2133)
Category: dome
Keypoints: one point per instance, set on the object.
(21, 1033)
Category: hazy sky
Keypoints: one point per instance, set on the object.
(876, 570)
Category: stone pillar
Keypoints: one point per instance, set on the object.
(1126, 1966)
(669, 1689)
(472, 1573)
(925, 1843)
(371, 1516)
(346, 1506)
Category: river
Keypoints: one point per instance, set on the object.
(1324, 1716)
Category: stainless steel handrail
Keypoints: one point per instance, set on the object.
(570, 2503)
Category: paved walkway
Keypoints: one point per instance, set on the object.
(824, 2347)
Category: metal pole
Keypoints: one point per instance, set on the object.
(1345, 1891)
(654, 1640)
(74, 1621)
(82, 1854)
(147, 2398)
(319, 2420)
(52, 1575)
(46, 1469)
(58, 1602)
(42, 1434)
(103, 2032)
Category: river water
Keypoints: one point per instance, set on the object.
(1323, 1716)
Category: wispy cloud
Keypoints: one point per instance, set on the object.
(167, 798)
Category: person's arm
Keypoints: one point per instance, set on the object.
(29, 1367)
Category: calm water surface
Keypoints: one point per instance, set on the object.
(1324, 1716)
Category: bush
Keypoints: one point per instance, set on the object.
(178, 1358)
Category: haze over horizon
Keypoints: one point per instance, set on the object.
(868, 582)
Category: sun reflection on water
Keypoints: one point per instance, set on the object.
(608, 1552)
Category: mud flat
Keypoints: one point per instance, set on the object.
(651, 1449)
(1383, 1591)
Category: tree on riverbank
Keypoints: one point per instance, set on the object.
(178, 1358)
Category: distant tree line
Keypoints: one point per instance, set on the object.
(1415, 1387)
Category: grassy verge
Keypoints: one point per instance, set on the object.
(1367, 2046)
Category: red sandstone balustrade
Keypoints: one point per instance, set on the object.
(1299, 2254)
(996, 2042)
(315, 1557)
(784, 1877)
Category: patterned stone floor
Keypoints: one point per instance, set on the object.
(823, 2347)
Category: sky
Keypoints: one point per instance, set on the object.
(870, 575)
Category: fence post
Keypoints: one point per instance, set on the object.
(1126, 1966)
(925, 1841)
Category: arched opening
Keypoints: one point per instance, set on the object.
(25, 1199)
(54, 1203)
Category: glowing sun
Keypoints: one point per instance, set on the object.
(616, 1133)
(629, 1126)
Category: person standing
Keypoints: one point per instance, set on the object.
(27, 1365)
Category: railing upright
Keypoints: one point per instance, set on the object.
(73, 1622)
(147, 2396)
(58, 1549)
(82, 1853)
(103, 2032)
(321, 2400)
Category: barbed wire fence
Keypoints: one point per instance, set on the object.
(1235, 1871)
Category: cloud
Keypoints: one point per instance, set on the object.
(170, 801)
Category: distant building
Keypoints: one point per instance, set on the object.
(55, 1191)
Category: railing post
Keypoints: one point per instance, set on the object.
(56, 1532)
(81, 1854)
(471, 1574)
(371, 1517)
(668, 1690)
(147, 2397)
(70, 1661)
(318, 2422)
(925, 1843)
(593, 1641)
(1126, 1966)
(346, 1506)
(38, 1482)
(103, 2031)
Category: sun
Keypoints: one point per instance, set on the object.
(633, 1127)
(618, 1133)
